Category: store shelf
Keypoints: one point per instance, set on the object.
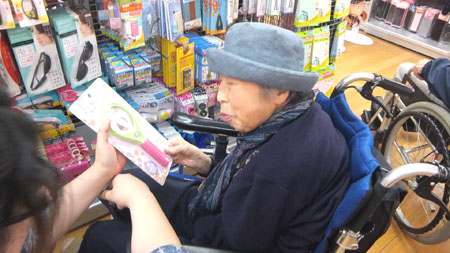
(406, 39)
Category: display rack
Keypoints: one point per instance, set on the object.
(404, 37)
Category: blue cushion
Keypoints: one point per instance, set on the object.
(362, 163)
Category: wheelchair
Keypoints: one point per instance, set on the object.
(375, 191)
(411, 126)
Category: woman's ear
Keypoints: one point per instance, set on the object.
(280, 97)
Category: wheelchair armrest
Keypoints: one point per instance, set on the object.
(188, 122)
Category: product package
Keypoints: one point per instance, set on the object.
(30, 12)
(44, 101)
(342, 8)
(131, 31)
(287, 14)
(192, 14)
(154, 102)
(400, 14)
(338, 42)
(324, 8)
(425, 26)
(37, 58)
(53, 122)
(150, 19)
(326, 80)
(71, 156)
(9, 74)
(381, 9)
(445, 35)
(416, 18)
(185, 68)
(130, 133)
(86, 65)
(6, 17)
(320, 50)
(307, 13)
(218, 22)
(439, 25)
(307, 37)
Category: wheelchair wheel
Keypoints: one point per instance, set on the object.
(420, 134)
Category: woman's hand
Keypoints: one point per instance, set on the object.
(189, 155)
(127, 191)
(107, 158)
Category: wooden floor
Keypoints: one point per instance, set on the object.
(382, 58)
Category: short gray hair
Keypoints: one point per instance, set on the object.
(293, 97)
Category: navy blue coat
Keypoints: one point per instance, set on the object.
(437, 74)
(283, 199)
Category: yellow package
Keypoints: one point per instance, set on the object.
(185, 68)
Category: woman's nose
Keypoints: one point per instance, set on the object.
(221, 94)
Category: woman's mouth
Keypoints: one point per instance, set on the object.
(226, 117)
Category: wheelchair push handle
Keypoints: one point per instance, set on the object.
(394, 86)
(376, 81)
(189, 122)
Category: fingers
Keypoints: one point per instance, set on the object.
(103, 131)
(106, 195)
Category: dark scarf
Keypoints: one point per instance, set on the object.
(212, 189)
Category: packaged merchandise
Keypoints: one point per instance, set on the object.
(320, 50)
(307, 13)
(445, 36)
(37, 58)
(130, 133)
(326, 80)
(324, 8)
(308, 38)
(400, 14)
(6, 17)
(30, 12)
(425, 26)
(44, 101)
(287, 13)
(71, 156)
(416, 18)
(53, 122)
(218, 22)
(338, 42)
(438, 26)
(185, 68)
(192, 14)
(342, 8)
(9, 74)
(382, 9)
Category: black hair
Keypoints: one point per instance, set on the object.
(29, 184)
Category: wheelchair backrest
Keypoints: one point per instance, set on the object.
(362, 163)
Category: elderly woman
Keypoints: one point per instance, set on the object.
(278, 189)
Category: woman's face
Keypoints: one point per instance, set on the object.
(244, 105)
(43, 39)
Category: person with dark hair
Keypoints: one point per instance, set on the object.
(36, 209)
(43, 37)
(278, 189)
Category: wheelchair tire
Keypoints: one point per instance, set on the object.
(431, 124)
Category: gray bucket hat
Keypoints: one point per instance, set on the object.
(263, 54)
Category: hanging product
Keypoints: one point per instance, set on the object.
(30, 12)
(324, 8)
(6, 17)
(287, 14)
(321, 48)
(9, 74)
(41, 71)
(85, 55)
(37, 58)
(307, 13)
(342, 8)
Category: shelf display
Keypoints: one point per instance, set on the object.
(414, 24)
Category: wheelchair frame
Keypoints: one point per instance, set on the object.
(391, 120)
